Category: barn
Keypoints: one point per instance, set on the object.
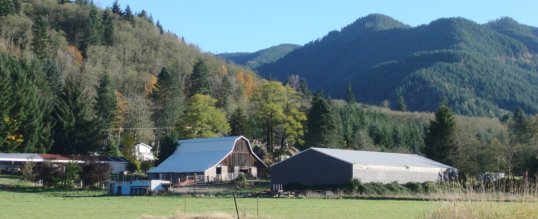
(323, 166)
(209, 159)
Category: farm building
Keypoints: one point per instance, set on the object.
(322, 166)
(137, 187)
(14, 161)
(209, 159)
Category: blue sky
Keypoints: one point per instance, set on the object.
(249, 25)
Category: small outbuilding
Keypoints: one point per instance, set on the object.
(209, 159)
(137, 187)
(323, 166)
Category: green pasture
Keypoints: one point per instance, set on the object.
(90, 204)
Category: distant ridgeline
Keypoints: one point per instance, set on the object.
(256, 59)
(482, 70)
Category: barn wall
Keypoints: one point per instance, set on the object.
(399, 174)
(311, 168)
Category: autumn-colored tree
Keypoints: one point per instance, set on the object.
(247, 82)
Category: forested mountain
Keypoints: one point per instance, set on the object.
(482, 70)
(78, 79)
(264, 56)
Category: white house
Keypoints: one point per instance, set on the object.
(143, 152)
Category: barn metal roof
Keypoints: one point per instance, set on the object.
(381, 158)
(20, 157)
(197, 155)
(23, 157)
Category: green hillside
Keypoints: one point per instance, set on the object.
(482, 70)
(64, 51)
(258, 58)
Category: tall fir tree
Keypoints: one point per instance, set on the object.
(92, 31)
(238, 122)
(105, 108)
(22, 123)
(128, 14)
(116, 9)
(440, 143)
(200, 83)
(168, 144)
(401, 106)
(350, 95)
(76, 130)
(224, 92)
(321, 124)
(160, 27)
(168, 99)
(108, 28)
(303, 88)
(40, 38)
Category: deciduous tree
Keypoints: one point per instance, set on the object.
(202, 119)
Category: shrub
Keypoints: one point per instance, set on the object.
(94, 173)
(414, 187)
(51, 174)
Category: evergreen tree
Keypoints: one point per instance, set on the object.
(168, 144)
(76, 130)
(440, 138)
(116, 9)
(7, 7)
(350, 119)
(62, 2)
(350, 95)
(321, 124)
(168, 99)
(18, 6)
(105, 108)
(160, 27)
(401, 106)
(200, 83)
(224, 92)
(83, 2)
(92, 32)
(22, 113)
(128, 14)
(53, 74)
(303, 88)
(238, 122)
(108, 29)
(40, 38)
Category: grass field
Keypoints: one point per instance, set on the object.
(23, 201)
(49, 204)
(34, 203)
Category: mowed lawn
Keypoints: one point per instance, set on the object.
(84, 205)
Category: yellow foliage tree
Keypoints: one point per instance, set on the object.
(75, 53)
(247, 81)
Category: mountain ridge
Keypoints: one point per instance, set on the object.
(453, 58)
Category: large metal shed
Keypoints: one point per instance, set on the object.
(323, 166)
(209, 159)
